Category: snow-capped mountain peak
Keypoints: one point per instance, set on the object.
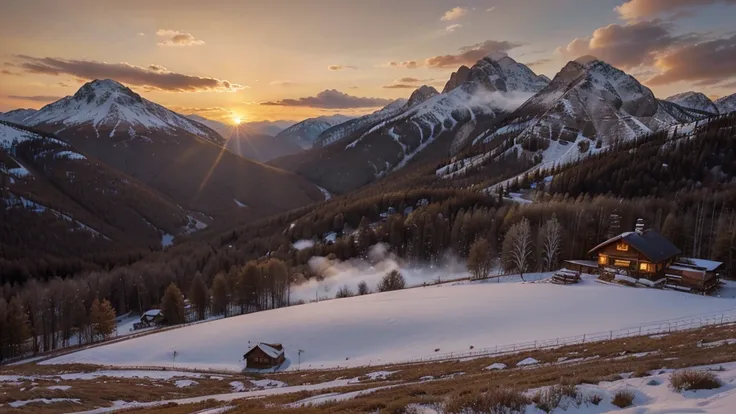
(421, 94)
(497, 56)
(694, 100)
(587, 60)
(109, 108)
(727, 104)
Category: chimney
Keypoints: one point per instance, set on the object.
(639, 228)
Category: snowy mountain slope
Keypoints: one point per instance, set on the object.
(342, 130)
(306, 132)
(113, 111)
(402, 325)
(726, 104)
(694, 100)
(177, 156)
(257, 147)
(77, 201)
(17, 116)
(494, 86)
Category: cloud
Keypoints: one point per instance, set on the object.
(399, 86)
(153, 77)
(490, 9)
(469, 55)
(628, 46)
(538, 62)
(332, 99)
(35, 98)
(282, 83)
(9, 73)
(451, 28)
(141, 34)
(454, 14)
(341, 67)
(176, 38)
(705, 63)
(408, 64)
(639, 9)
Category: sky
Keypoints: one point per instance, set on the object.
(292, 59)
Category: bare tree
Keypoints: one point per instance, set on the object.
(551, 236)
(517, 247)
(480, 259)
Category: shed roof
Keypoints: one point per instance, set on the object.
(650, 243)
(272, 350)
(709, 265)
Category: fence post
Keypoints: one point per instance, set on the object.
(610, 338)
(583, 338)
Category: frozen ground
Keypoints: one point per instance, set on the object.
(402, 325)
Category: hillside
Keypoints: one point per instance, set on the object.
(435, 126)
(179, 157)
(404, 325)
(64, 206)
(726, 104)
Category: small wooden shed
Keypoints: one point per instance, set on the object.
(264, 356)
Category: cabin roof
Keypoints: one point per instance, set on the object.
(152, 312)
(709, 265)
(649, 243)
(269, 349)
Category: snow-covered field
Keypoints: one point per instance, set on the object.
(402, 325)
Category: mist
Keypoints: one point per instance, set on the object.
(507, 101)
(371, 270)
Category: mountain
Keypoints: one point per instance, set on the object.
(271, 128)
(342, 130)
(481, 95)
(55, 201)
(256, 147)
(181, 158)
(17, 116)
(694, 100)
(727, 104)
(306, 132)
(589, 106)
(108, 106)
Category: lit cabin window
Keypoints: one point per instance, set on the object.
(622, 247)
(645, 267)
(602, 259)
(622, 263)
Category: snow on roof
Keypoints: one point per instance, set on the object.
(267, 349)
(685, 268)
(709, 265)
(152, 312)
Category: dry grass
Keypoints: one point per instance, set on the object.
(623, 399)
(499, 400)
(687, 380)
(677, 350)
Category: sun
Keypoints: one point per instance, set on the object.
(237, 120)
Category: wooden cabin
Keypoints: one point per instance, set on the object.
(641, 254)
(646, 258)
(264, 356)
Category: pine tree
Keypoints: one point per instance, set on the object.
(198, 296)
(101, 319)
(220, 295)
(480, 259)
(172, 305)
(363, 288)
